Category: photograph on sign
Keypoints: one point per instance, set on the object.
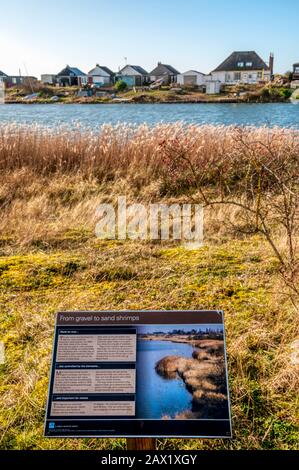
(138, 374)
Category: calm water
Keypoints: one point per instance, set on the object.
(156, 396)
(280, 114)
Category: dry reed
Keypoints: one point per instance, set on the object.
(175, 153)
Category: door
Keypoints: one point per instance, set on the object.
(190, 80)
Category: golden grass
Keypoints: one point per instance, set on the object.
(50, 259)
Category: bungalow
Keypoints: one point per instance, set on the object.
(71, 76)
(296, 71)
(191, 78)
(17, 80)
(100, 76)
(166, 72)
(133, 75)
(243, 67)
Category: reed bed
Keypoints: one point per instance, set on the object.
(176, 154)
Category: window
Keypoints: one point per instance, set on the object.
(296, 69)
(240, 64)
(237, 76)
(260, 75)
(248, 64)
(227, 77)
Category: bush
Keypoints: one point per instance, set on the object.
(190, 87)
(121, 85)
(265, 93)
(275, 93)
(285, 93)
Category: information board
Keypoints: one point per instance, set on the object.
(139, 374)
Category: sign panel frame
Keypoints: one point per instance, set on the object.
(89, 350)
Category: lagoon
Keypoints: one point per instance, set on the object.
(95, 115)
(158, 397)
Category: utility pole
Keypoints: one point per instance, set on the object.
(30, 84)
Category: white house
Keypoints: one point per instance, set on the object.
(133, 75)
(192, 77)
(100, 76)
(244, 67)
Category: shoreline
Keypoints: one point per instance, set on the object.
(203, 375)
(166, 339)
(94, 103)
(192, 342)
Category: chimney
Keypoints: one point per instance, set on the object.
(271, 64)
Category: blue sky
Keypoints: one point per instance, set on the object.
(188, 34)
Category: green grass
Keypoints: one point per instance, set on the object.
(237, 276)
